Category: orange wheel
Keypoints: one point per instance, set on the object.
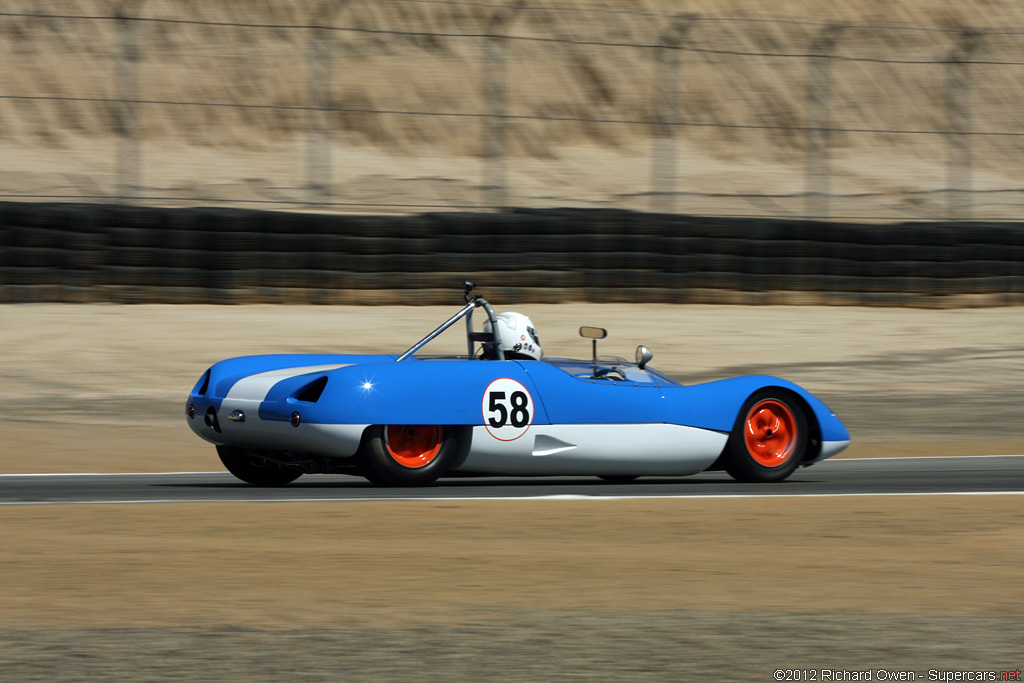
(412, 455)
(770, 433)
(413, 446)
(769, 439)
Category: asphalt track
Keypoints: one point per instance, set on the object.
(873, 476)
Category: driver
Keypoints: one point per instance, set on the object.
(515, 336)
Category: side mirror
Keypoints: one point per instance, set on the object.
(643, 356)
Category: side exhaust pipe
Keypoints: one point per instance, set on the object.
(211, 419)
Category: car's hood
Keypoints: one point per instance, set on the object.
(263, 372)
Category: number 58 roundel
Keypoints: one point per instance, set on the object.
(507, 409)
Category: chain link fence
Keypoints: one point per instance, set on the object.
(408, 106)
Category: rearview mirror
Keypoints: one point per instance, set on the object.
(594, 333)
(643, 356)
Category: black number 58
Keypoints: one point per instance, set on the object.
(516, 409)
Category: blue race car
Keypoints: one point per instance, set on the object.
(502, 409)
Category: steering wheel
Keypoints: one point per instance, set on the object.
(614, 374)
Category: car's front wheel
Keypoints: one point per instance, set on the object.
(252, 468)
(409, 455)
(769, 439)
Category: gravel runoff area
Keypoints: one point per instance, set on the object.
(616, 590)
(558, 646)
(511, 591)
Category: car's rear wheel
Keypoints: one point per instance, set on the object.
(409, 455)
(252, 468)
(769, 439)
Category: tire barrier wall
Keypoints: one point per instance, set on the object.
(88, 252)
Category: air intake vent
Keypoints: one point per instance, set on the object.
(206, 384)
(312, 391)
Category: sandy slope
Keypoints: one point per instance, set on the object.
(68, 146)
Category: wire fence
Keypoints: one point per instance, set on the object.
(420, 105)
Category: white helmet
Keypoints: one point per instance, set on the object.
(516, 336)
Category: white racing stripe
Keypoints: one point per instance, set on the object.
(255, 387)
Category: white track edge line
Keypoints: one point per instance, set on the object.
(555, 497)
(922, 457)
(107, 474)
(167, 474)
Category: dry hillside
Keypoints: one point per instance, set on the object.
(580, 82)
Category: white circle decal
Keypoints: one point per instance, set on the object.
(508, 409)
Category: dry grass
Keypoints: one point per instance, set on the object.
(375, 564)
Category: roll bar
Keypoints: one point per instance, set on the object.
(472, 302)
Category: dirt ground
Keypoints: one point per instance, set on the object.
(101, 388)
(625, 590)
(591, 590)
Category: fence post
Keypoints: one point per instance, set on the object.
(819, 123)
(318, 133)
(958, 109)
(664, 152)
(320, 103)
(495, 91)
(128, 163)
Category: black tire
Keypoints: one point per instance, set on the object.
(409, 455)
(769, 440)
(618, 478)
(252, 469)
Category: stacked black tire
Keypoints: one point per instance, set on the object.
(90, 252)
